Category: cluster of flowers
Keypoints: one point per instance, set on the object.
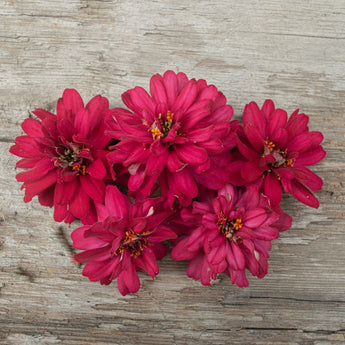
(173, 167)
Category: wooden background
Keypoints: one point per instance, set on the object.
(291, 51)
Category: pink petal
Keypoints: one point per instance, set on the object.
(303, 194)
(97, 169)
(277, 121)
(158, 148)
(80, 242)
(155, 165)
(311, 157)
(185, 99)
(93, 187)
(115, 202)
(181, 251)
(81, 123)
(38, 172)
(97, 254)
(253, 117)
(157, 89)
(46, 197)
(64, 192)
(136, 180)
(300, 143)
(147, 261)
(162, 234)
(312, 181)
(173, 163)
(235, 256)
(60, 212)
(251, 171)
(246, 151)
(98, 270)
(267, 109)
(272, 188)
(64, 125)
(267, 233)
(128, 281)
(239, 278)
(79, 205)
(217, 254)
(191, 154)
(254, 137)
(201, 134)
(254, 218)
(32, 127)
(26, 163)
(43, 114)
(72, 100)
(183, 183)
(316, 138)
(171, 87)
(33, 188)
(223, 114)
(138, 100)
(280, 137)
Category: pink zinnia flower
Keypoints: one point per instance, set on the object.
(127, 238)
(229, 233)
(276, 151)
(177, 135)
(65, 155)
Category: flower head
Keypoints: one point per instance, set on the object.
(127, 238)
(276, 152)
(229, 233)
(65, 155)
(174, 135)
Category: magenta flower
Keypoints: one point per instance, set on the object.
(276, 152)
(66, 157)
(229, 233)
(177, 135)
(127, 238)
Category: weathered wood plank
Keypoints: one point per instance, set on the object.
(290, 51)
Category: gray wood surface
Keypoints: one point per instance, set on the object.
(291, 51)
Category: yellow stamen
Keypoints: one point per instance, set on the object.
(270, 145)
(238, 224)
(80, 168)
(170, 116)
(156, 133)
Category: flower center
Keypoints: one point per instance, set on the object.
(162, 126)
(281, 156)
(73, 157)
(228, 226)
(133, 242)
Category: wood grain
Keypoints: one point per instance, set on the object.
(290, 51)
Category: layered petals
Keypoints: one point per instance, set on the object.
(66, 157)
(275, 151)
(127, 238)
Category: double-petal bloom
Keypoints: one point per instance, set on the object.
(66, 157)
(229, 233)
(180, 135)
(127, 238)
(276, 151)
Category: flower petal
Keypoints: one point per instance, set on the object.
(272, 188)
(254, 218)
(97, 169)
(191, 154)
(128, 281)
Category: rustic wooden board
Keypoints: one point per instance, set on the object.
(290, 51)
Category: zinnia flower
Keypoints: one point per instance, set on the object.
(177, 135)
(127, 238)
(229, 233)
(276, 151)
(65, 155)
